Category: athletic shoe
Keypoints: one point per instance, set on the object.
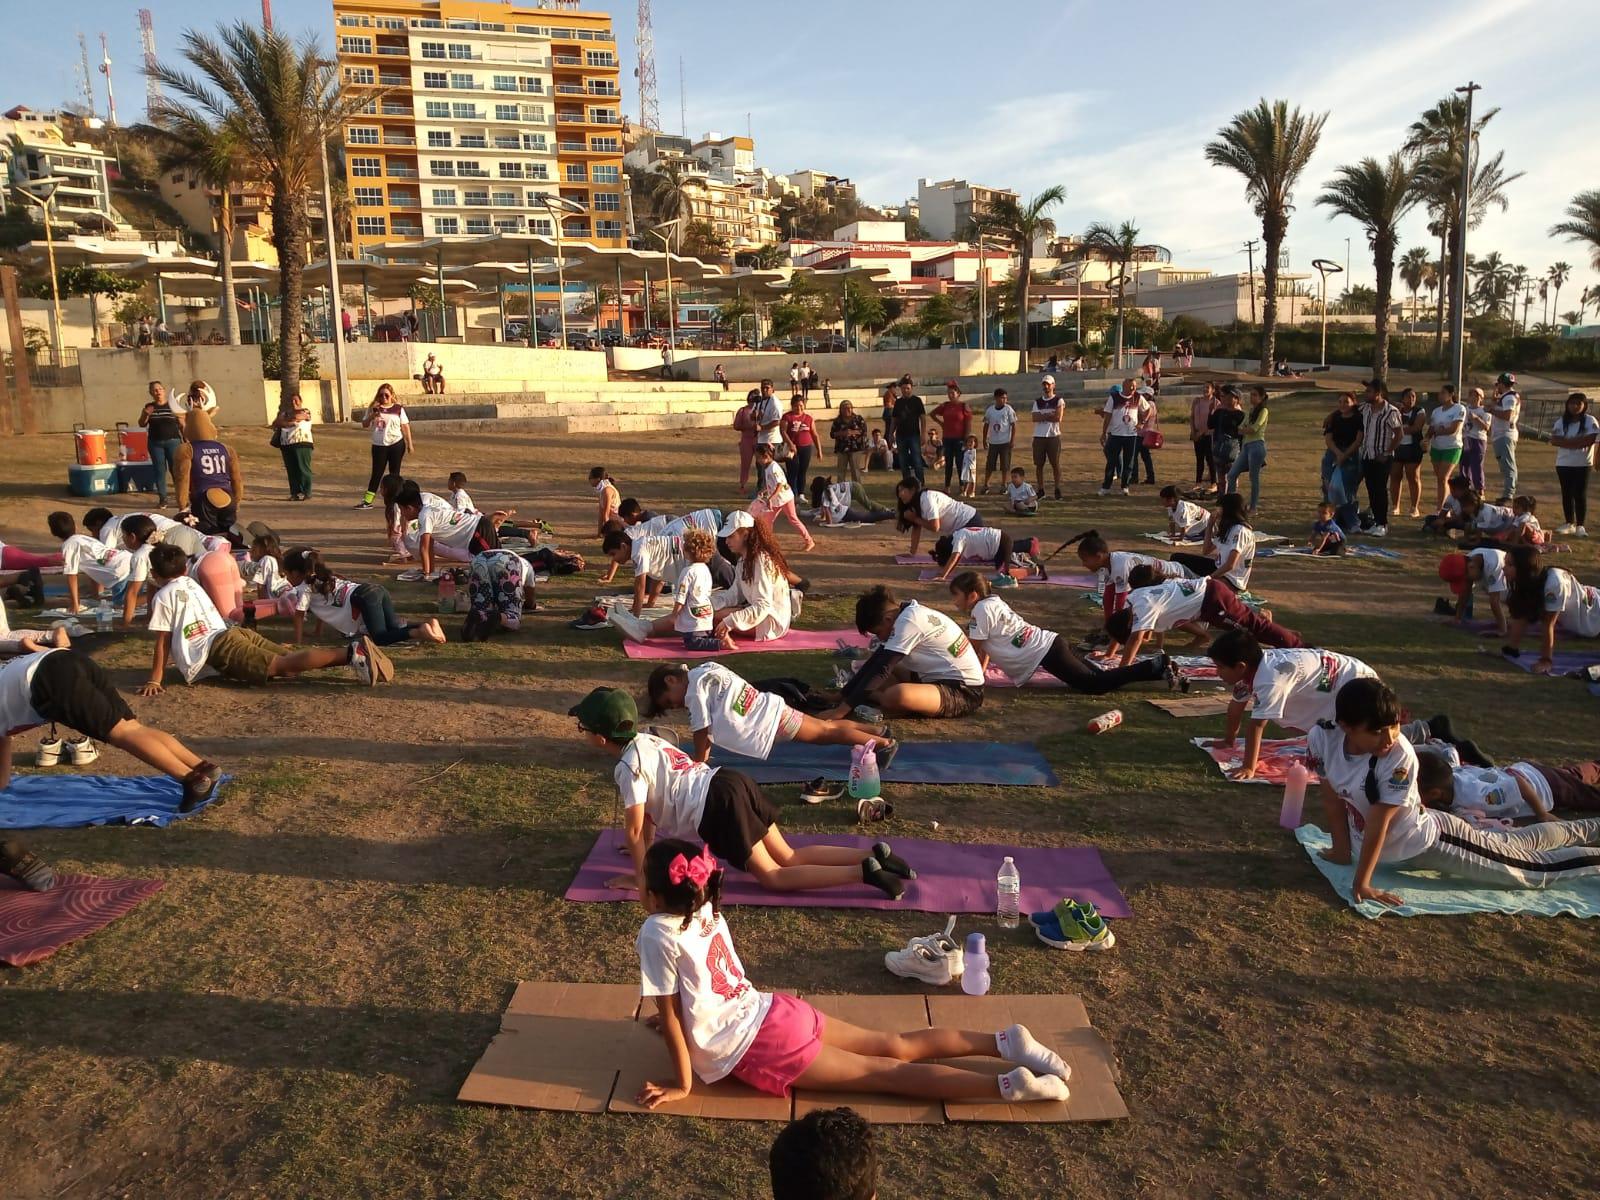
(80, 751)
(361, 665)
(870, 809)
(1569, 527)
(865, 713)
(1021, 1084)
(1058, 493)
(933, 958)
(200, 786)
(797, 602)
(666, 733)
(1039, 571)
(842, 676)
(363, 505)
(1443, 607)
(1175, 681)
(892, 862)
(1580, 531)
(1125, 492)
(821, 790)
(28, 869)
(382, 667)
(1017, 1045)
(1001, 582)
(884, 752)
(1073, 926)
(635, 629)
(872, 872)
(1378, 531)
(49, 752)
(1103, 492)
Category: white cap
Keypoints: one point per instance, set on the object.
(1050, 379)
(738, 519)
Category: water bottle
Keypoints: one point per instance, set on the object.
(447, 592)
(975, 965)
(1105, 721)
(103, 615)
(1294, 795)
(864, 782)
(1008, 891)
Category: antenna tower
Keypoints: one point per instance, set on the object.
(266, 14)
(85, 75)
(105, 69)
(645, 72)
(147, 43)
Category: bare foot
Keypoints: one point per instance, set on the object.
(434, 630)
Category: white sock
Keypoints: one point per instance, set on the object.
(1022, 1084)
(1017, 1045)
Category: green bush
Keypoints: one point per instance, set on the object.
(271, 365)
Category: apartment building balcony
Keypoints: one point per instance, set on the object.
(566, 60)
(396, 171)
(396, 110)
(401, 230)
(394, 51)
(398, 139)
(401, 200)
(395, 80)
(473, 141)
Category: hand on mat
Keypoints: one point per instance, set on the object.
(1338, 860)
(623, 883)
(1243, 772)
(1543, 667)
(151, 688)
(1368, 892)
(653, 1094)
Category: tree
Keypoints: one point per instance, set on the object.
(700, 240)
(916, 231)
(934, 318)
(1415, 271)
(1557, 275)
(1582, 224)
(1572, 317)
(92, 282)
(861, 306)
(1119, 247)
(767, 257)
(1021, 225)
(1377, 196)
(1356, 300)
(1490, 277)
(286, 99)
(668, 192)
(1270, 146)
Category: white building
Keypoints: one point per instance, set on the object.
(948, 206)
(1220, 299)
(809, 184)
(41, 151)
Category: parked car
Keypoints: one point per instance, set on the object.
(580, 339)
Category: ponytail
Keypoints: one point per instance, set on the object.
(303, 560)
(1230, 513)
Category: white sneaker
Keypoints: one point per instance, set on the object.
(934, 958)
(80, 751)
(1378, 531)
(797, 602)
(1103, 492)
(49, 752)
(1569, 527)
(1580, 531)
(1125, 492)
(635, 629)
(360, 665)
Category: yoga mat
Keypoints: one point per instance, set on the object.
(1430, 894)
(1562, 662)
(1166, 539)
(951, 877)
(1012, 765)
(34, 925)
(994, 677)
(1272, 767)
(1352, 550)
(794, 640)
(1066, 581)
(1196, 668)
(63, 801)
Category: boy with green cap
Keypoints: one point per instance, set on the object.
(665, 792)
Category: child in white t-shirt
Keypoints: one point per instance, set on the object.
(350, 609)
(1186, 520)
(969, 467)
(1020, 495)
(692, 613)
(107, 567)
(774, 498)
(1525, 529)
(459, 499)
(656, 561)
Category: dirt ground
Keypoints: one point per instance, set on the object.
(293, 1014)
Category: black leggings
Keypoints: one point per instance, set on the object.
(1199, 565)
(1203, 462)
(376, 608)
(1067, 665)
(1574, 494)
(385, 458)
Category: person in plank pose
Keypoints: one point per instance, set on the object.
(351, 609)
(1095, 555)
(1186, 520)
(922, 664)
(1550, 598)
(921, 508)
(1484, 566)
(991, 544)
(1156, 606)
(656, 562)
(1524, 791)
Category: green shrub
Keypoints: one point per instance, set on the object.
(271, 365)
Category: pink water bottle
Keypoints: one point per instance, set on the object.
(447, 591)
(1105, 721)
(1294, 795)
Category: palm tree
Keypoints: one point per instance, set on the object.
(1377, 195)
(282, 98)
(1572, 317)
(1022, 225)
(189, 138)
(1415, 270)
(1582, 224)
(1515, 283)
(669, 191)
(1558, 274)
(1118, 246)
(1491, 279)
(1589, 295)
(1270, 146)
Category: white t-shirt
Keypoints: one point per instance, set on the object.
(334, 610)
(948, 514)
(1503, 413)
(969, 465)
(1565, 455)
(183, 608)
(1494, 569)
(298, 434)
(1527, 523)
(1413, 828)
(1240, 538)
(654, 527)
(1189, 519)
(934, 646)
(16, 693)
(111, 531)
(722, 1013)
(388, 425)
(461, 501)
(1022, 495)
(1162, 606)
(1495, 790)
(1494, 517)
(836, 499)
(1441, 418)
(1472, 430)
(1578, 605)
(768, 411)
(671, 785)
(1296, 688)
(84, 555)
(448, 525)
(709, 519)
(1012, 644)
(740, 716)
(1124, 561)
(693, 592)
(1124, 417)
(1000, 423)
(658, 557)
(1053, 406)
(775, 491)
(981, 543)
(266, 574)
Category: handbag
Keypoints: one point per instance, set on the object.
(277, 438)
(1151, 439)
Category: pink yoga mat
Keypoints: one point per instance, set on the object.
(794, 640)
(951, 877)
(1273, 766)
(1085, 582)
(34, 925)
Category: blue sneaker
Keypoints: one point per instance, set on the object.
(1072, 926)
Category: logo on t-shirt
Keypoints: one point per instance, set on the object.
(745, 700)
(196, 628)
(1188, 589)
(958, 647)
(726, 979)
(1330, 669)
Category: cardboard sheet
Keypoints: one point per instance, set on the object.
(1213, 705)
(899, 1014)
(645, 1057)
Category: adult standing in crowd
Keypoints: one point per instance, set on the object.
(849, 434)
(999, 428)
(291, 430)
(208, 477)
(891, 393)
(910, 427)
(800, 435)
(745, 422)
(1573, 436)
(1504, 410)
(1047, 434)
(1151, 371)
(1407, 467)
(1150, 439)
(1119, 437)
(163, 434)
(1200, 410)
(391, 438)
(1446, 434)
(1252, 445)
(1380, 434)
(1341, 460)
(955, 418)
(769, 418)
(1224, 422)
(1475, 435)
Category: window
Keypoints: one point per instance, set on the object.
(358, 75)
(473, 141)
(507, 225)
(529, 84)
(479, 225)
(370, 108)
(441, 166)
(505, 83)
(371, 226)
(505, 200)
(599, 58)
(507, 141)
(608, 229)
(361, 136)
(541, 226)
(473, 198)
(538, 170)
(369, 197)
(460, 50)
(536, 199)
(605, 143)
(366, 166)
(445, 226)
(439, 137)
(462, 80)
(354, 22)
(534, 113)
(534, 141)
(577, 173)
(435, 79)
(444, 197)
(607, 202)
(607, 174)
(469, 169)
(355, 45)
(507, 112)
(510, 170)
(433, 50)
(464, 110)
(436, 108)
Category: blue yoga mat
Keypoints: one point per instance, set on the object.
(69, 801)
(1000, 765)
(1427, 893)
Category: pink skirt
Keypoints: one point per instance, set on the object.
(788, 1042)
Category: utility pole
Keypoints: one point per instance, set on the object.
(1459, 283)
(1250, 249)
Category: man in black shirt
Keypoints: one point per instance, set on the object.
(910, 417)
(1342, 433)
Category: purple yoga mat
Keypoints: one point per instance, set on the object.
(951, 877)
(1085, 582)
(795, 639)
(1563, 662)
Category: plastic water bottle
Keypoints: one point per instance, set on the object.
(1008, 891)
(447, 592)
(864, 781)
(1294, 795)
(1105, 721)
(103, 615)
(975, 965)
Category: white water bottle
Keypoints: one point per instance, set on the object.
(1008, 889)
(103, 615)
(975, 966)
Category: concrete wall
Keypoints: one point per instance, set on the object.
(852, 367)
(115, 382)
(465, 367)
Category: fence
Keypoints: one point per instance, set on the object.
(55, 368)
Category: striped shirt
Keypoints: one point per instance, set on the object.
(1382, 427)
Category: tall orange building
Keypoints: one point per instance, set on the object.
(486, 110)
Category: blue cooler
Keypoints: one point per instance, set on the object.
(97, 480)
(136, 477)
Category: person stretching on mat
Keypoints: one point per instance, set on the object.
(716, 1025)
(1547, 598)
(1095, 555)
(665, 793)
(1156, 605)
(922, 665)
(1464, 572)
(992, 544)
(728, 710)
(1021, 650)
(764, 599)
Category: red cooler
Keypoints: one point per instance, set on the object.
(133, 445)
(91, 446)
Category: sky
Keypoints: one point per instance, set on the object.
(1047, 92)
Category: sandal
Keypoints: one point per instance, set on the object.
(32, 872)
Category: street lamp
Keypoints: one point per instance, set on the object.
(672, 309)
(1324, 268)
(41, 191)
(556, 206)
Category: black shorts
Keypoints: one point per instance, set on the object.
(71, 689)
(957, 699)
(736, 817)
